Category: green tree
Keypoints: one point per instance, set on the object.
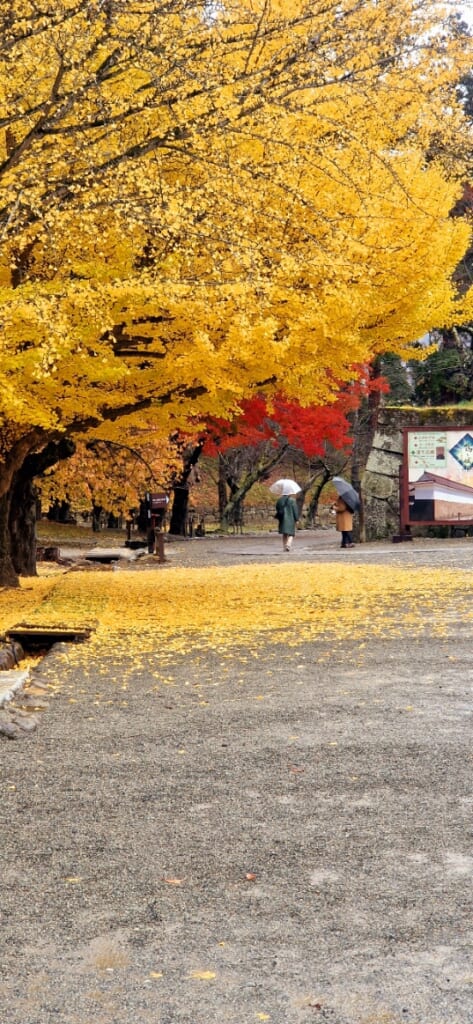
(446, 376)
(396, 372)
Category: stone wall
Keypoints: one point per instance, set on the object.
(380, 484)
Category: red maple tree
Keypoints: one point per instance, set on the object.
(250, 446)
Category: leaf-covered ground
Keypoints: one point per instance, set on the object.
(293, 602)
(249, 796)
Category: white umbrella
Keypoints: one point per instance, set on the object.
(282, 487)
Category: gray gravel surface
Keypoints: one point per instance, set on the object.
(286, 835)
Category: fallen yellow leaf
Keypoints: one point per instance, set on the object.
(229, 605)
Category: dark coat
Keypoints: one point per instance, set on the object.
(288, 514)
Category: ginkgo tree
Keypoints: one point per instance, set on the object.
(199, 201)
(110, 476)
(91, 476)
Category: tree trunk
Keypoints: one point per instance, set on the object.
(314, 500)
(180, 505)
(96, 514)
(8, 576)
(180, 502)
(365, 421)
(232, 513)
(222, 485)
(23, 505)
(22, 525)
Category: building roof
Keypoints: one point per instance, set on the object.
(444, 481)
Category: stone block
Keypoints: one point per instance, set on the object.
(11, 682)
(383, 462)
(389, 442)
(377, 486)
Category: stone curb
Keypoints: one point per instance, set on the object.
(11, 681)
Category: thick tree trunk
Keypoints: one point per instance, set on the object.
(8, 576)
(180, 504)
(365, 421)
(23, 505)
(22, 524)
(96, 518)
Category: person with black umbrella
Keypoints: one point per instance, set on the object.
(344, 522)
(347, 503)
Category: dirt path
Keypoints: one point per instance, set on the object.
(282, 834)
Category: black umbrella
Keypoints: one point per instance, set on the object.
(347, 493)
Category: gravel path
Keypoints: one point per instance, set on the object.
(285, 835)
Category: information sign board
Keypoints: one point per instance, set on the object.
(437, 478)
(158, 502)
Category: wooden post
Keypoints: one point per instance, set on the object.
(160, 546)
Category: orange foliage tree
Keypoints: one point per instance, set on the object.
(111, 476)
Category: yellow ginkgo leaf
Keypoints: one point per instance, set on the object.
(203, 975)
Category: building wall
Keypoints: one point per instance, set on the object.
(380, 482)
(452, 510)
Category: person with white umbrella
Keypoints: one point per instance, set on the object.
(287, 512)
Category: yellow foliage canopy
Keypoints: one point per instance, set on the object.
(113, 476)
(199, 199)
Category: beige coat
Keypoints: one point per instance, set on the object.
(344, 518)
